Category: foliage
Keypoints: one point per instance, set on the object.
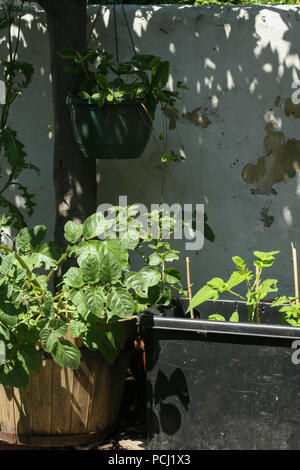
(143, 78)
(257, 289)
(97, 77)
(290, 309)
(96, 293)
(17, 76)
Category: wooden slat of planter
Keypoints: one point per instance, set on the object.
(7, 416)
(102, 386)
(23, 409)
(119, 375)
(42, 391)
(82, 387)
(61, 399)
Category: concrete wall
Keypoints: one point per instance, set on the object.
(238, 125)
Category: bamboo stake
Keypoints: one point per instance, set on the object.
(296, 283)
(189, 284)
(256, 288)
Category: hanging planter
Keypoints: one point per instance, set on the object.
(112, 104)
(114, 130)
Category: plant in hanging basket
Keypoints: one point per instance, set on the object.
(113, 104)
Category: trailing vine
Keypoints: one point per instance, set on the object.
(16, 75)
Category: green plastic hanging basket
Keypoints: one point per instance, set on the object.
(115, 130)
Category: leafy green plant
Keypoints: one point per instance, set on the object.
(16, 76)
(143, 79)
(290, 309)
(256, 289)
(97, 293)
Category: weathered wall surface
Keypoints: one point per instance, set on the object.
(238, 125)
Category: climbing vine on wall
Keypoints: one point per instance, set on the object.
(16, 76)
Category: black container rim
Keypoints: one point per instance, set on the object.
(203, 327)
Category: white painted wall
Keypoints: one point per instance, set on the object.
(236, 62)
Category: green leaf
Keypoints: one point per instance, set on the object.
(113, 342)
(235, 279)
(280, 301)
(160, 75)
(202, 295)
(8, 262)
(94, 226)
(4, 333)
(14, 374)
(73, 277)
(120, 302)
(154, 259)
(66, 354)
(93, 297)
(30, 356)
(47, 308)
(47, 339)
(26, 334)
(90, 269)
(217, 283)
(216, 317)
(58, 327)
(93, 337)
(265, 259)
(68, 54)
(172, 275)
(234, 317)
(267, 286)
(169, 257)
(23, 241)
(117, 248)
(102, 81)
(27, 240)
(77, 327)
(84, 95)
(239, 262)
(142, 280)
(73, 231)
(8, 314)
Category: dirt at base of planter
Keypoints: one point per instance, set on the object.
(121, 441)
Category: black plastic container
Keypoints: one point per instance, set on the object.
(113, 131)
(221, 385)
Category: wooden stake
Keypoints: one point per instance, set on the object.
(256, 288)
(189, 284)
(296, 283)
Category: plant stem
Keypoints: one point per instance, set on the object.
(52, 271)
(23, 264)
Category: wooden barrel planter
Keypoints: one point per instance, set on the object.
(65, 408)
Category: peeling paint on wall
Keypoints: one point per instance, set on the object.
(265, 217)
(197, 119)
(291, 109)
(279, 164)
(172, 116)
